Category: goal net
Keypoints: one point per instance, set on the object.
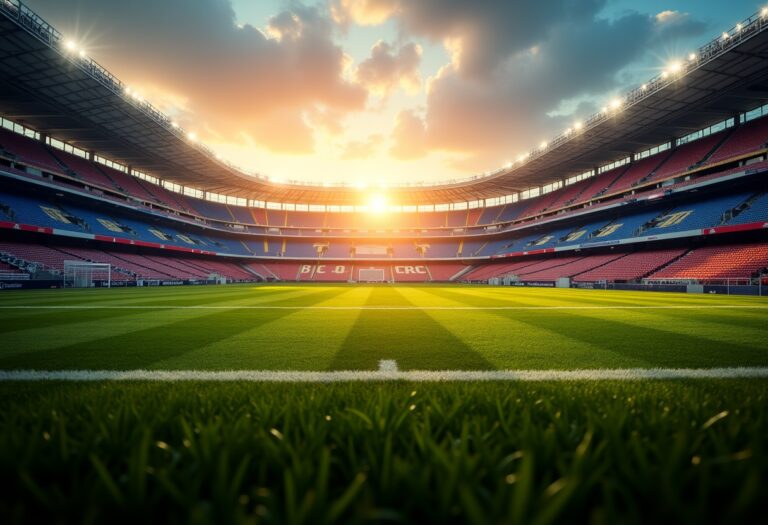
(84, 274)
(371, 275)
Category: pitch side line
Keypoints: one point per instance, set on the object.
(368, 307)
(384, 374)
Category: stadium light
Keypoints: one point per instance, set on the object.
(81, 53)
(764, 11)
(578, 125)
(70, 45)
(615, 104)
(644, 87)
(692, 57)
(738, 27)
(725, 36)
(675, 67)
(174, 124)
(664, 74)
(543, 145)
(192, 136)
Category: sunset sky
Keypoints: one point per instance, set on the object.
(384, 91)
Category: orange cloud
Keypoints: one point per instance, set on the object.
(362, 149)
(385, 70)
(362, 12)
(409, 136)
(275, 86)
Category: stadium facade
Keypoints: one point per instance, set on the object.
(665, 186)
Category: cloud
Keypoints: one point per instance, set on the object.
(362, 12)
(272, 86)
(504, 91)
(386, 69)
(409, 137)
(363, 149)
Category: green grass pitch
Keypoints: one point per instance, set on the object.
(640, 451)
(290, 329)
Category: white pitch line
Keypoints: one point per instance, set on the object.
(332, 308)
(348, 376)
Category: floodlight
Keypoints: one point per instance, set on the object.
(664, 74)
(192, 136)
(543, 145)
(81, 53)
(738, 27)
(578, 125)
(725, 36)
(644, 87)
(764, 11)
(70, 45)
(615, 104)
(174, 124)
(675, 67)
(692, 57)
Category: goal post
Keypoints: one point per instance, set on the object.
(371, 275)
(84, 274)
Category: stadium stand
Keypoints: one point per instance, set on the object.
(717, 262)
(27, 150)
(630, 267)
(587, 215)
(687, 156)
(746, 138)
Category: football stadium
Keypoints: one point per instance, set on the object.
(579, 335)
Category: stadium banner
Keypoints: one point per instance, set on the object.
(534, 284)
(30, 284)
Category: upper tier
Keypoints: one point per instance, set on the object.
(706, 157)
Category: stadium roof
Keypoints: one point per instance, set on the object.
(46, 84)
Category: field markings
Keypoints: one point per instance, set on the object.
(387, 372)
(384, 307)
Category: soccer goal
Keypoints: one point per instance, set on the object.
(371, 275)
(84, 274)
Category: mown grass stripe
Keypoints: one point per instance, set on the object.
(301, 307)
(345, 376)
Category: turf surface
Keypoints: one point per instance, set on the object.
(289, 329)
(652, 452)
(684, 451)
